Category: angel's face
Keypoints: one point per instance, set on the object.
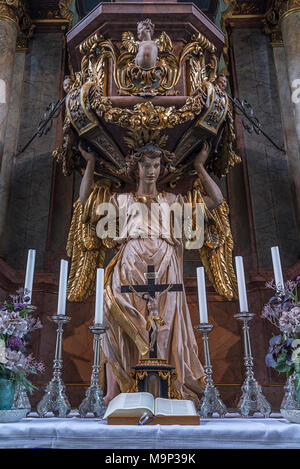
(149, 169)
(67, 84)
(222, 82)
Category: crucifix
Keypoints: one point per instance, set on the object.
(149, 291)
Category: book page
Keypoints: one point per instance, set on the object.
(174, 407)
(133, 404)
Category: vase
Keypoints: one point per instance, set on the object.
(290, 406)
(21, 400)
(7, 391)
(291, 396)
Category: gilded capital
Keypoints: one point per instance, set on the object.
(288, 7)
(278, 10)
(11, 10)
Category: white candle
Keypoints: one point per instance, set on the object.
(277, 268)
(62, 292)
(239, 265)
(202, 295)
(99, 297)
(29, 273)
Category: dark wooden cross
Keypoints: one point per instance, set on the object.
(151, 288)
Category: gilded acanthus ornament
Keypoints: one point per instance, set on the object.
(12, 10)
(26, 29)
(136, 75)
(65, 12)
(244, 7)
(87, 105)
(276, 12)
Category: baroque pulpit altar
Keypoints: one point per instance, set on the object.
(143, 92)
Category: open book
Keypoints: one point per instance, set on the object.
(136, 404)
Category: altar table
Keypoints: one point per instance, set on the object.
(231, 432)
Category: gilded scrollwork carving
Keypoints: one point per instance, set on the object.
(88, 107)
(161, 78)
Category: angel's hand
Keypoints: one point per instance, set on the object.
(87, 155)
(202, 156)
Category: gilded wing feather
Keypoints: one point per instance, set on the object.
(129, 43)
(86, 250)
(216, 253)
(164, 43)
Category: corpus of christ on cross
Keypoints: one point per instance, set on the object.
(149, 291)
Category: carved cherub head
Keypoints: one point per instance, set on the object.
(67, 83)
(145, 30)
(221, 81)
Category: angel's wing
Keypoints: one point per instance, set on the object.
(129, 43)
(164, 43)
(216, 252)
(86, 250)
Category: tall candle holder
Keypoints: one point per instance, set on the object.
(252, 399)
(93, 401)
(55, 399)
(211, 402)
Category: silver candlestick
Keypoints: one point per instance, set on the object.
(93, 401)
(211, 402)
(55, 399)
(252, 399)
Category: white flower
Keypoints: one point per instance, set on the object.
(289, 321)
(11, 323)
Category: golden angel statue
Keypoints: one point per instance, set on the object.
(125, 315)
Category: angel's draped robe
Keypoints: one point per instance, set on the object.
(125, 314)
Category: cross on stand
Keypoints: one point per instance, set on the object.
(151, 288)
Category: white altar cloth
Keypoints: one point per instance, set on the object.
(232, 432)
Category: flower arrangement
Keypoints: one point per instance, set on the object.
(16, 322)
(283, 311)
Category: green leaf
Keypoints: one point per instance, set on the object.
(290, 371)
(281, 367)
(282, 358)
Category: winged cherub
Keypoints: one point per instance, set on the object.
(146, 49)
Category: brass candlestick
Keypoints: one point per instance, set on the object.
(93, 401)
(55, 399)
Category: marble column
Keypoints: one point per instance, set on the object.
(11, 138)
(290, 28)
(288, 125)
(8, 40)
